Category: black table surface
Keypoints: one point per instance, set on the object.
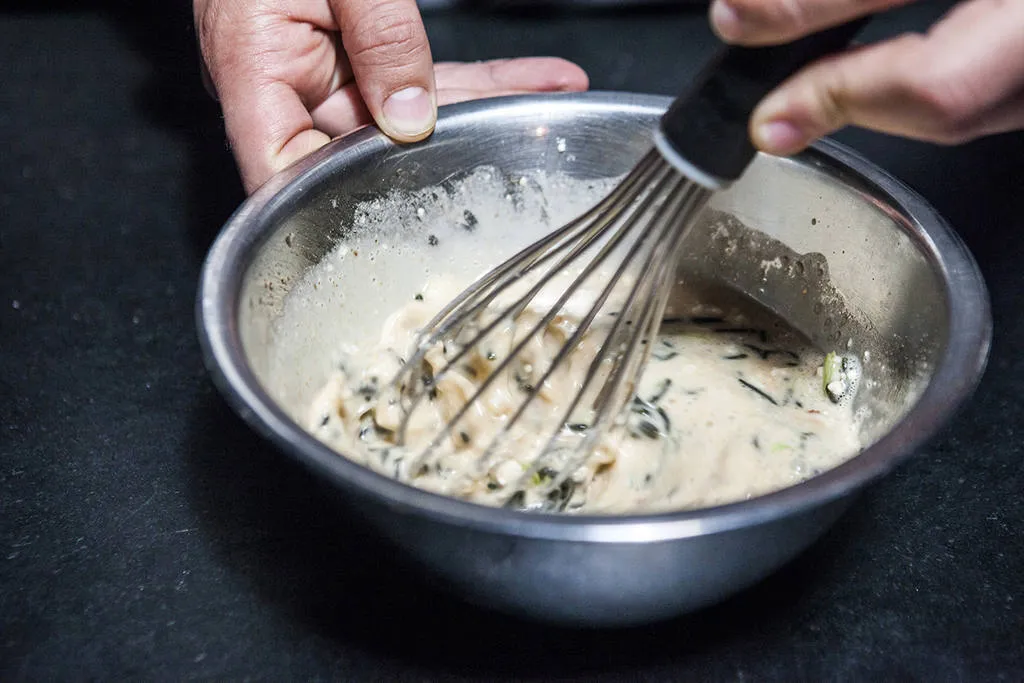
(146, 533)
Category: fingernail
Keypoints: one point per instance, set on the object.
(779, 137)
(725, 20)
(410, 111)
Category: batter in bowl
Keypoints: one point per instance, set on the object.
(733, 404)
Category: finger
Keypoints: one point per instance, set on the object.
(342, 112)
(344, 109)
(462, 82)
(269, 128)
(764, 22)
(387, 47)
(528, 74)
(457, 82)
(952, 85)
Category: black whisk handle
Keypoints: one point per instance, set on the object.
(707, 125)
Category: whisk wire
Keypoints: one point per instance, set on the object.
(527, 259)
(660, 197)
(584, 240)
(668, 230)
(656, 200)
(581, 329)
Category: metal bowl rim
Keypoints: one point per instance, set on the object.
(955, 379)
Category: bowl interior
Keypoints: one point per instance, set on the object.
(840, 250)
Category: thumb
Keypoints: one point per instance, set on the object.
(386, 45)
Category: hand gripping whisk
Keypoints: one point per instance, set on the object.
(536, 361)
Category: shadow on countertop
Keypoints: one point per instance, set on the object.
(172, 98)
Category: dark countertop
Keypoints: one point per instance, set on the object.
(146, 533)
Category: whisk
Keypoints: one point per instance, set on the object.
(630, 243)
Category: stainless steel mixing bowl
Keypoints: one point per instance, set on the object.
(848, 254)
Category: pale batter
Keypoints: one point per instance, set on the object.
(732, 405)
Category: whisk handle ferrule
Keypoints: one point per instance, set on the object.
(705, 130)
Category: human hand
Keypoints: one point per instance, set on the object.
(290, 75)
(962, 80)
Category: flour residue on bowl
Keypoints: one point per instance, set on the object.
(732, 405)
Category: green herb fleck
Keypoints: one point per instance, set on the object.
(648, 420)
(664, 351)
(662, 389)
(759, 392)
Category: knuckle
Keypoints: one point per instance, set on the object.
(949, 100)
(390, 32)
(825, 95)
(216, 26)
(832, 102)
